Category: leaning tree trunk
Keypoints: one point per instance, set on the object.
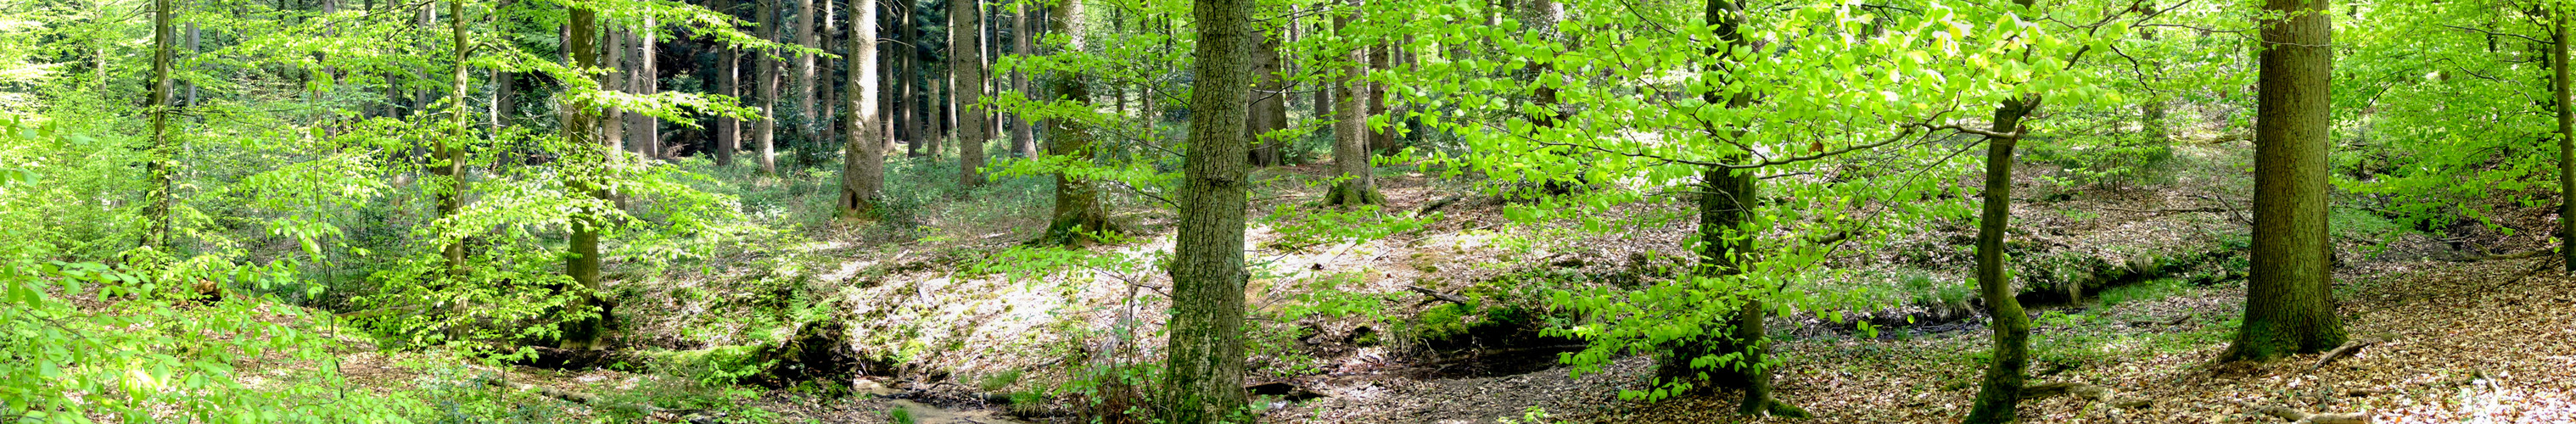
(966, 72)
(1357, 181)
(1078, 212)
(1203, 375)
(2288, 306)
(2001, 391)
(863, 157)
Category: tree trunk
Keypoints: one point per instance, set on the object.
(863, 157)
(915, 109)
(161, 197)
(2288, 306)
(1078, 213)
(1358, 182)
(579, 123)
(1204, 372)
(2558, 84)
(966, 71)
(764, 132)
(2000, 394)
(803, 89)
(617, 79)
(1023, 138)
(449, 165)
(939, 114)
(1269, 103)
(645, 130)
(729, 67)
(1381, 138)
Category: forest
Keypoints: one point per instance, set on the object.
(1287, 211)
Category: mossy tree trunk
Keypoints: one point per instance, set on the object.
(1078, 213)
(1358, 182)
(863, 153)
(2558, 85)
(2288, 306)
(1204, 367)
(2000, 392)
(162, 196)
(580, 131)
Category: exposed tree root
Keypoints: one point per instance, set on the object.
(2348, 349)
(1437, 295)
(2508, 256)
(2297, 417)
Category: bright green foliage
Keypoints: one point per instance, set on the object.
(2443, 102)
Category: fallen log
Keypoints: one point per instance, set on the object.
(2044, 390)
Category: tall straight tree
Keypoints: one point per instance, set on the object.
(161, 197)
(1357, 181)
(1203, 374)
(449, 161)
(2566, 105)
(644, 131)
(863, 157)
(804, 88)
(1023, 138)
(2289, 308)
(580, 123)
(1078, 213)
(764, 133)
(729, 73)
(1269, 102)
(966, 72)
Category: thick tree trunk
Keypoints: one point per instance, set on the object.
(1204, 373)
(765, 132)
(1023, 138)
(939, 114)
(1078, 212)
(1358, 181)
(2001, 392)
(863, 157)
(2288, 306)
(966, 71)
(729, 71)
(580, 125)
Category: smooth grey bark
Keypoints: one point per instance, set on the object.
(863, 153)
(729, 70)
(1023, 137)
(764, 132)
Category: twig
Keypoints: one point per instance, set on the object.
(2347, 349)
(1437, 295)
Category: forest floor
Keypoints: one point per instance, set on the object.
(2444, 341)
